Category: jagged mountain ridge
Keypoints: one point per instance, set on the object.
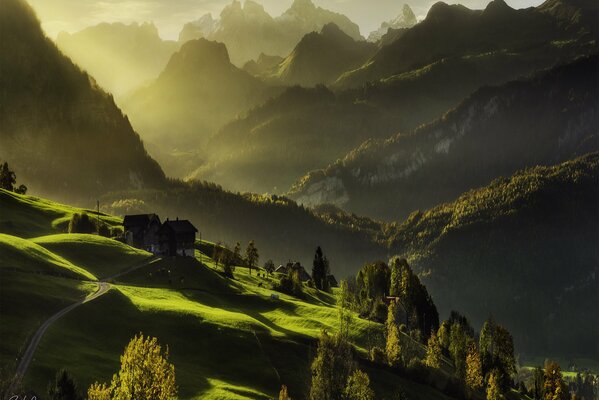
(454, 30)
(319, 58)
(61, 133)
(547, 118)
(248, 30)
(405, 20)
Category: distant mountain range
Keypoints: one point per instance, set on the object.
(61, 133)
(248, 30)
(454, 31)
(548, 118)
(296, 136)
(120, 57)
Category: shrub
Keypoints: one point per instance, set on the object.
(377, 355)
(290, 284)
(81, 223)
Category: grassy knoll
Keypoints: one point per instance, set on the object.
(25, 255)
(98, 255)
(30, 216)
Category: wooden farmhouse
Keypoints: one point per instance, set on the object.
(171, 238)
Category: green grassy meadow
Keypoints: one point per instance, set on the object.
(228, 338)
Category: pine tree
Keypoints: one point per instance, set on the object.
(63, 387)
(393, 347)
(474, 368)
(319, 266)
(251, 256)
(554, 387)
(493, 387)
(433, 352)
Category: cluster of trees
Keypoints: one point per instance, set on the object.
(228, 258)
(8, 180)
(335, 375)
(548, 384)
(377, 284)
(82, 223)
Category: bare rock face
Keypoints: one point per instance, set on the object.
(405, 20)
(200, 28)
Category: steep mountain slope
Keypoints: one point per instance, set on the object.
(454, 30)
(319, 58)
(60, 132)
(297, 136)
(249, 30)
(544, 119)
(198, 91)
(263, 66)
(120, 57)
(290, 134)
(524, 249)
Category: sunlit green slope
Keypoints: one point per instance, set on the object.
(228, 338)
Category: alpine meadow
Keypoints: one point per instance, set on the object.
(299, 199)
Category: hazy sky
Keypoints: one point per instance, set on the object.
(170, 15)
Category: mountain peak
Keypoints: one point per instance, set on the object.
(302, 5)
(497, 7)
(442, 11)
(331, 29)
(198, 53)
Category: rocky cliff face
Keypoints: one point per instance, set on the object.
(406, 19)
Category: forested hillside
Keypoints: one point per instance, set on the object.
(523, 249)
(547, 118)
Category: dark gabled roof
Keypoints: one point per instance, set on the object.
(139, 220)
(180, 226)
(332, 280)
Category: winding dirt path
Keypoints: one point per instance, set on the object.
(103, 288)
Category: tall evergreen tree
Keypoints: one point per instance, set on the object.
(474, 368)
(554, 387)
(251, 256)
(393, 347)
(63, 387)
(319, 269)
(433, 352)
